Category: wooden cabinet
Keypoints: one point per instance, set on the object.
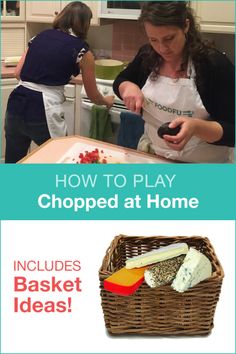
(12, 11)
(38, 11)
(13, 39)
(13, 29)
(216, 16)
(7, 86)
(45, 12)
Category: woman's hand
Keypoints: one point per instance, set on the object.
(109, 101)
(209, 131)
(178, 142)
(132, 96)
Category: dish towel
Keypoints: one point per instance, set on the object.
(100, 128)
(131, 130)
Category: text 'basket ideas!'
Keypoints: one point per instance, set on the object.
(161, 310)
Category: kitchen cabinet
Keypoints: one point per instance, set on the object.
(7, 86)
(13, 39)
(13, 29)
(35, 12)
(12, 11)
(38, 11)
(216, 16)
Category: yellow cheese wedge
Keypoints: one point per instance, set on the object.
(125, 281)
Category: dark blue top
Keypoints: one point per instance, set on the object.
(52, 58)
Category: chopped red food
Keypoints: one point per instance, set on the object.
(92, 157)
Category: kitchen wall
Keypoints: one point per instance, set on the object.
(122, 39)
(128, 37)
(119, 40)
(100, 40)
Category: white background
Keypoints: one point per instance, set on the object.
(83, 330)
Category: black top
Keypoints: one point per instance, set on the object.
(217, 90)
(53, 57)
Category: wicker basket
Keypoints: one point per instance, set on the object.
(159, 311)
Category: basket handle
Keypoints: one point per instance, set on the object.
(110, 250)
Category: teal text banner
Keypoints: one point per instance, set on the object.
(118, 192)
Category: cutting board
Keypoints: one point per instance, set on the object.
(111, 154)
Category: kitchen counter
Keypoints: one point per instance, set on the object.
(54, 149)
(7, 72)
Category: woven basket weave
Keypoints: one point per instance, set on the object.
(159, 311)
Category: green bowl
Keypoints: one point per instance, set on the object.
(108, 69)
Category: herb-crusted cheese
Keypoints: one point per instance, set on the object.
(163, 272)
(161, 254)
(195, 268)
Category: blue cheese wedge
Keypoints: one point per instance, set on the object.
(161, 254)
(195, 268)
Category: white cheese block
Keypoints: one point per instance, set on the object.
(195, 268)
(161, 254)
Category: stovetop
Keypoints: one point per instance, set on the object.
(105, 87)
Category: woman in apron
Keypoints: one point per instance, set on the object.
(180, 80)
(35, 108)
